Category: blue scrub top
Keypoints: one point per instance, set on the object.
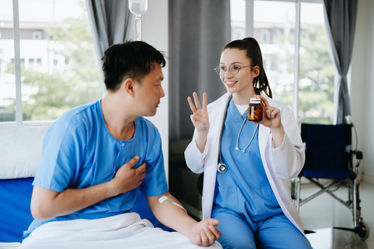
(79, 152)
(244, 188)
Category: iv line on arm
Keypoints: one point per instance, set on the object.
(164, 198)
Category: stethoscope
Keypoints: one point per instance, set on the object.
(221, 167)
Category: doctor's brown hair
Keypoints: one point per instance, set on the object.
(250, 45)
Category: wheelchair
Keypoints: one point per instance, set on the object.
(329, 156)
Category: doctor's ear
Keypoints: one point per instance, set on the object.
(256, 70)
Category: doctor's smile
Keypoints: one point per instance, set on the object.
(230, 83)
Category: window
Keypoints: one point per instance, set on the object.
(317, 71)
(51, 32)
(304, 81)
(7, 76)
(237, 19)
(37, 35)
(281, 16)
(265, 36)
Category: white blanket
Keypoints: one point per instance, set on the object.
(11, 245)
(116, 232)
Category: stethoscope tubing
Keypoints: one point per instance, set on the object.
(221, 166)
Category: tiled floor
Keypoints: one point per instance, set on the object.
(324, 212)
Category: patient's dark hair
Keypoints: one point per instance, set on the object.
(131, 59)
(253, 51)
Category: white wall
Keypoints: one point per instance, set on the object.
(155, 32)
(362, 84)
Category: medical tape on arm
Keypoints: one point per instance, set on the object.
(164, 198)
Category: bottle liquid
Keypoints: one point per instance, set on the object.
(255, 110)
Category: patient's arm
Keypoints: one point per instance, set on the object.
(203, 233)
(46, 204)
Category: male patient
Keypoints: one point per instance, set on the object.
(96, 157)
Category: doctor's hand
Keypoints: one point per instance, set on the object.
(199, 116)
(200, 119)
(127, 178)
(205, 233)
(271, 118)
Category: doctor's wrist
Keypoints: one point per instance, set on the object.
(200, 141)
(278, 135)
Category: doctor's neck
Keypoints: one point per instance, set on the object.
(242, 97)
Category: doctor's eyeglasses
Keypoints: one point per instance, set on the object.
(233, 69)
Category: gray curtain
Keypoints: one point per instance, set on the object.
(198, 30)
(111, 23)
(340, 17)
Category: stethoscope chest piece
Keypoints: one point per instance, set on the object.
(221, 168)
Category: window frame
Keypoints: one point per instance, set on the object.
(17, 63)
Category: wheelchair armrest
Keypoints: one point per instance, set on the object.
(358, 154)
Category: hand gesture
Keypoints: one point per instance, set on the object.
(199, 116)
(127, 178)
(205, 233)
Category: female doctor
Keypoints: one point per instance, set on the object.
(245, 163)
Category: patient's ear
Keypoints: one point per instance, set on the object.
(128, 86)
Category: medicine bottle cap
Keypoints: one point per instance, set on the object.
(255, 101)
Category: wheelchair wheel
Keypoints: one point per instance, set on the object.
(363, 231)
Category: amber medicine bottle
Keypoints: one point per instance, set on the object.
(255, 110)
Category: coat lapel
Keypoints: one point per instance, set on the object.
(263, 137)
(213, 142)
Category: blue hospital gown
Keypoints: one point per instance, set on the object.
(79, 152)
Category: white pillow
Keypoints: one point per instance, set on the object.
(21, 149)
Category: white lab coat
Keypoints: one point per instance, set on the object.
(280, 164)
